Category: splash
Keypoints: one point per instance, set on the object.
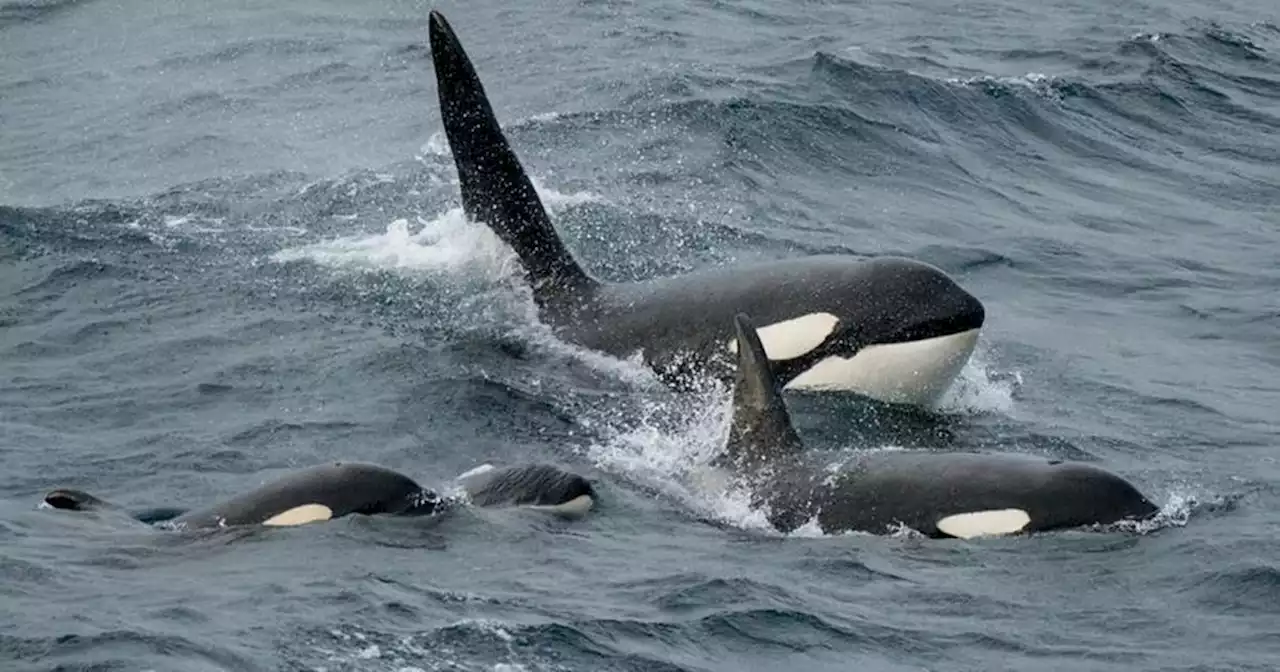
(436, 145)
(1175, 513)
(456, 254)
(555, 200)
(447, 245)
(669, 447)
(981, 388)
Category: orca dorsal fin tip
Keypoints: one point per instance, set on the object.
(762, 426)
(70, 499)
(496, 191)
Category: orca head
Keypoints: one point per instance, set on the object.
(910, 300)
(1077, 494)
(370, 490)
(898, 330)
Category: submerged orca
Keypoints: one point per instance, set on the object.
(894, 329)
(939, 495)
(329, 491)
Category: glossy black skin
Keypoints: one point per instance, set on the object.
(347, 488)
(344, 488)
(531, 485)
(684, 321)
(881, 491)
(878, 301)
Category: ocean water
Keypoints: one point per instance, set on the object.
(231, 245)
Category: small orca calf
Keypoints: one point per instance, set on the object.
(960, 495)
(329, 491)
(893, 329)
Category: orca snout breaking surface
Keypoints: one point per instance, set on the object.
(1098, 493)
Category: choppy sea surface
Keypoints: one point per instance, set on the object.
(231, 245)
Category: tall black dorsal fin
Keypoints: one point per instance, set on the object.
(761, 429)
(495, 188)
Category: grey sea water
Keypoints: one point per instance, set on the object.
(231, 245)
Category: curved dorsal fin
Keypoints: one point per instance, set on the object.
(70, 499)
(761, 429)
(495, 188)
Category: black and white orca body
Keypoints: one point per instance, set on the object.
(893, 329)
(330, 491)
(961, 495)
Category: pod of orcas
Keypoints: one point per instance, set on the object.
(893, 329)
(329, 491)
(961, 495)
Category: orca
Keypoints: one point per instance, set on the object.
(890, 328)
(960, 495)
(330, 491)
(539, 486)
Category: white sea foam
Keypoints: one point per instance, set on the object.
(981, 388)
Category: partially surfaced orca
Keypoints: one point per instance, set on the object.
(939, 495)
(890, 328)
(329, 491)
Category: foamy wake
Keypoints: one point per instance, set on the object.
(458, 254)
(1176, 512)
(448, 248)
(670, 448)
(448, 245)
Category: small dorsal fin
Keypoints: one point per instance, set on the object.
(495, 188)
(761, 429)
(70, 499)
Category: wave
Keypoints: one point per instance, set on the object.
(788, 137)
(122, 648)
(615, 644)
(17, 12)
(1164, 114)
